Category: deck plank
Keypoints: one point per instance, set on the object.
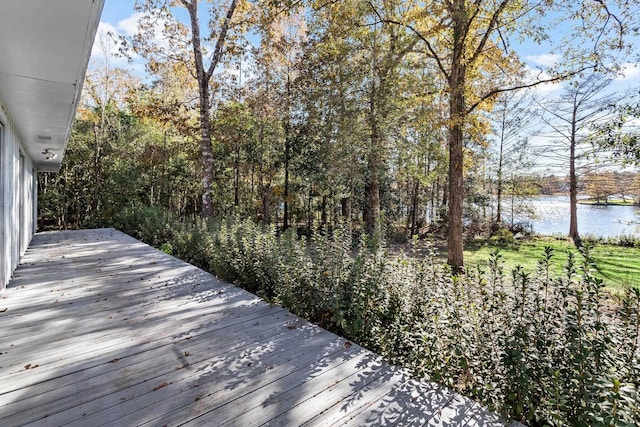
(103, 382)
(101, 329)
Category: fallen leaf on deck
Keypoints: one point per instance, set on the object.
(347, 344)
(158, 387)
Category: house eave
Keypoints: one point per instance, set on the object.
(45, 48)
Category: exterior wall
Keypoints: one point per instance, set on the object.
(18, 199)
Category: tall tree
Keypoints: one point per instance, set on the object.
(281, 48)
(207, 51)
(572, 118)
(388, 46)
(600, 186)
(468, 40)
(513, 119)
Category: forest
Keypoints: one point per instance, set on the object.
(287, 145)
(311, 114)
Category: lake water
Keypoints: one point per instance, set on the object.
(552, 217)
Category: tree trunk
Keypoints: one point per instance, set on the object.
(309, 211)
(500, 160)
(372, 194)
(455, 257)
(345, 204)
(205, 124)
(266, 202)
(236, 180)
(204, 76)
(287, 153)
(372, 186)
(97, 167)
(366, 209)
(414, 207)
(457, 115)
(513, 200)
(573, 185)
(323, 211)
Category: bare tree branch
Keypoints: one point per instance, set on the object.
(222, 37)
(497, 91)
(432, 53)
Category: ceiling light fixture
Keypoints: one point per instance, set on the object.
(48, 155)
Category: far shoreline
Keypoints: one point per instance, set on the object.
(612, 202)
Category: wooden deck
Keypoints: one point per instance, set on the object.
(97, 328)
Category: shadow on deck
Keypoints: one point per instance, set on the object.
(101, 329)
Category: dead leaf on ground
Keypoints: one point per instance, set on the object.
(159, 386)
(347, 344)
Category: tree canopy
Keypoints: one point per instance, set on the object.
(377, 114)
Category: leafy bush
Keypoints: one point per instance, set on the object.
(627, 241)
(502, 236)
(152, 225)
(540, 349)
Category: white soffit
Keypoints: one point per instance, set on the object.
(44, 51)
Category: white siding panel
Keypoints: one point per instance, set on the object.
(17, 198)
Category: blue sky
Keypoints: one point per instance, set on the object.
(119, 16)
(116, 10)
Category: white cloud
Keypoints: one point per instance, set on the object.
(544, 60)
(107, 47)
(107, 44)
(129, 26)
(629, 72)
(542, 89)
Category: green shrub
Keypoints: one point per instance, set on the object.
(627, 241)
(540, 349)
(152, 225)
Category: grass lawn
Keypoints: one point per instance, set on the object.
(618, 266)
